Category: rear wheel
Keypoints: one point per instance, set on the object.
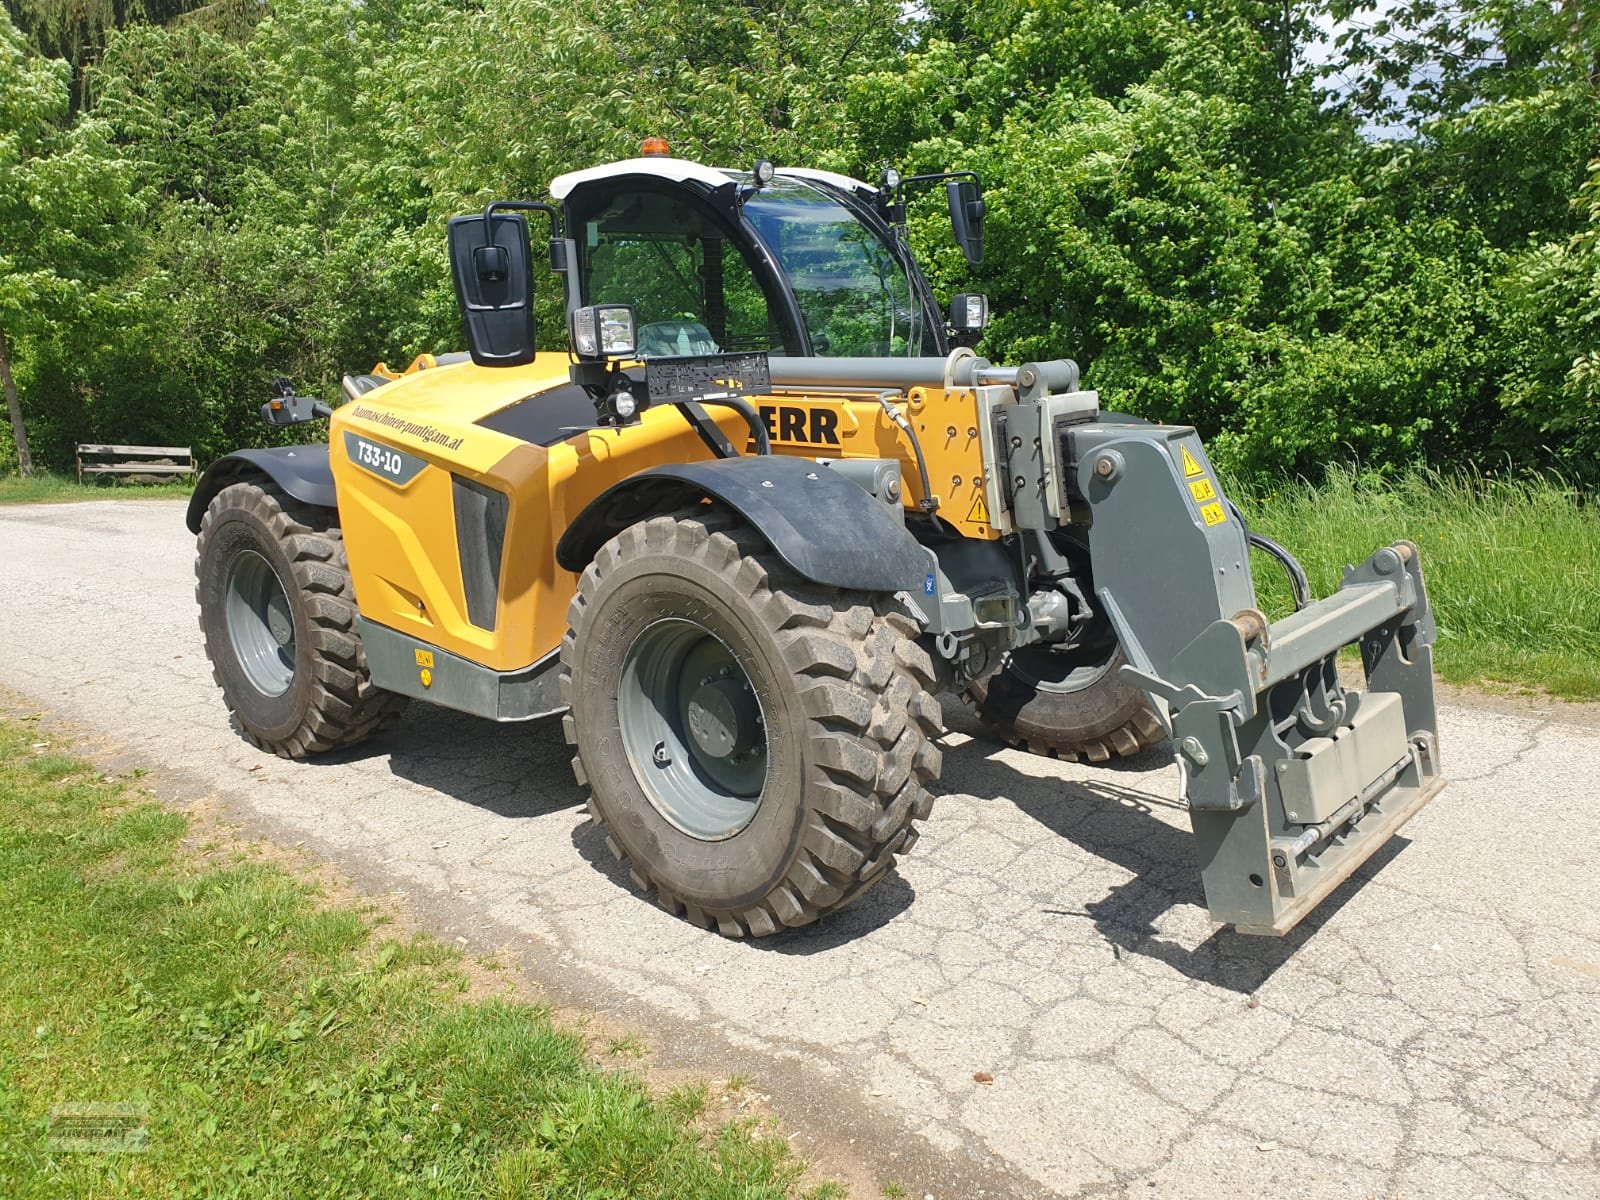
(756, 747)
(278, 613)
(1069, 703)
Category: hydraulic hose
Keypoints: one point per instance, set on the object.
(929, 502)
(1298, 583)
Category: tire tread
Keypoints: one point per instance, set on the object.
(346, 707)
(1053, 727)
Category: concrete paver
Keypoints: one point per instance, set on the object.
(1433, 1031)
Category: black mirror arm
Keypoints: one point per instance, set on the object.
(290, 409)
(941, 176)
(521, 206)
(894, 209)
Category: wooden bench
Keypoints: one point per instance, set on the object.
(135, 460)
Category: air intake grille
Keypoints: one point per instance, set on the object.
(480, 541)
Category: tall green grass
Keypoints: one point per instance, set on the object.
(1512, 565)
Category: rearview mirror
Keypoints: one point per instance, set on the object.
(967, 210)
(490, 263)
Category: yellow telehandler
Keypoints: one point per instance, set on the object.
(758, 508)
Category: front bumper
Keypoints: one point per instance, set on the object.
(1292, 779)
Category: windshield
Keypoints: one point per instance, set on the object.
(852, 291)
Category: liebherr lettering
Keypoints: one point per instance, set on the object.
(814, 426)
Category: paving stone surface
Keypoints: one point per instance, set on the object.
(1433, 1031)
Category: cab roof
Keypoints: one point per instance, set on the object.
(682, 170)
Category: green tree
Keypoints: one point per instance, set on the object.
(1173, 200)
(78, 30)
(1496, 102)
(1552, 335)
(61, 201)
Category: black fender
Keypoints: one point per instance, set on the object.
(302, 471)
(823, 526)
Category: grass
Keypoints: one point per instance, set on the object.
(45, 487)
(1512, 566)
(280, 1044)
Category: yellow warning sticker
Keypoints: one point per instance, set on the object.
(426, 676)
(424, 658)
(1191, 464)
(979, 512)
(1214, 513)
(1202, 491)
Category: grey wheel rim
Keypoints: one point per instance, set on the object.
(260, 623)
(693, 729)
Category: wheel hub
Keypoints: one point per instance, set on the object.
(693, 729)
(722, 717)
(280, 623)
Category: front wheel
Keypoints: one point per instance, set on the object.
(278, 613)
(756, 747)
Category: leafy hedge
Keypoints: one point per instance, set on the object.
(1175, 199)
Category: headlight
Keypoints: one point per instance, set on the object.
(604, 331)
(969, 312)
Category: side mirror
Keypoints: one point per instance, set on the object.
(490, 263)
(967, 210)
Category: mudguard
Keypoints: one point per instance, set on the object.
(822, 525)
(302, 471)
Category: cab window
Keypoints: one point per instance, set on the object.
(671, 259)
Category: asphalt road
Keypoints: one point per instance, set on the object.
(1433, 1031)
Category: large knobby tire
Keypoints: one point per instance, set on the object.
(1067, 704)
(756, 747)
(279, 617)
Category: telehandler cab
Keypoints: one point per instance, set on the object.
(753, 523)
